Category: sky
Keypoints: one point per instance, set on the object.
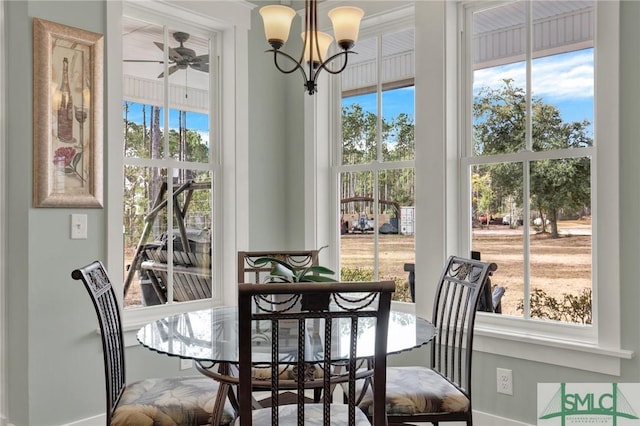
(564, 80)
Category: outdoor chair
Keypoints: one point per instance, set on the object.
(326, 309)
(149, 401)
(442, 391)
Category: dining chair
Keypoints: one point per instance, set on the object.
(325, 308)
(250, 272)
(182, 401)
(442, 391)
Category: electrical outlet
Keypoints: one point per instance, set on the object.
(186, 364)
(505, 381)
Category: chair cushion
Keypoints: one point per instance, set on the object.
(414, 390)
(169, 402)
(312, 415)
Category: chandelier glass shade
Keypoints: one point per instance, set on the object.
(345, 20)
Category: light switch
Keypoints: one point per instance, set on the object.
(78, 226)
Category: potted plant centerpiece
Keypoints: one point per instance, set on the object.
(284, 272)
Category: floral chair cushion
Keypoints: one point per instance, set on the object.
(288, 415)
(169, 402)
(415, 390)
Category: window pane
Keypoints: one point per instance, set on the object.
(144, 135)
(192, 237)
(358, 225)
(142, 186)
(188, 75)
(499, 79)
(189, 136)
(396, 229)
(561, 240)
(498, 227)
(562, 71)
(359, 124)
(398, 95)
(147, 247)
(398, 141)
(361, 74)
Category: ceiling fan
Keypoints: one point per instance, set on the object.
(180, 57)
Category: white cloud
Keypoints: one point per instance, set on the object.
(558, 77)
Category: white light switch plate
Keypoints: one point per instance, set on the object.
(78, 226)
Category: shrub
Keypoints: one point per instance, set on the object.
(402, 293)
(572, 308)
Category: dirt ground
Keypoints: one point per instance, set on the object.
(558, 265)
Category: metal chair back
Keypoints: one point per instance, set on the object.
(325, 306)
(96, 281)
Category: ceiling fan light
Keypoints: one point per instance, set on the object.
(277, 23)
(346, 25)
(324, 41)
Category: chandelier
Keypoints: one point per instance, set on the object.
(346, 24)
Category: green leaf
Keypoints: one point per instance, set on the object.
(76, 159)
(318, 279)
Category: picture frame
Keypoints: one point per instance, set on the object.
(67, 116)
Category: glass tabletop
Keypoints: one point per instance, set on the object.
(212, 335)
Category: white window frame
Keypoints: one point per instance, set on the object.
(4, 328)
(323, 122)
(594, 348)
(232, 22)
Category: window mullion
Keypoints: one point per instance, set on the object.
(528, 95)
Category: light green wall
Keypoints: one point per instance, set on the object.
(54, 357)
(275, 146)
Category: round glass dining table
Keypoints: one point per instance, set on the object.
(211, 335)
(210, 338)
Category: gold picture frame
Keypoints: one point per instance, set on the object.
(67, 116)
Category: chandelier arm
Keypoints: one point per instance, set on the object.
(324, 65)
(291, 58)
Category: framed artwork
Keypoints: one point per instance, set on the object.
(67, 116)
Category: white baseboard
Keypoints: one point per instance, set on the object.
(486, 419)
(90, 421)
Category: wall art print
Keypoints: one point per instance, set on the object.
(67, 116)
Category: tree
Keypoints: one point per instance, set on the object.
(359, 147)
(500, 128)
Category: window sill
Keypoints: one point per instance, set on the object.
(556, 351)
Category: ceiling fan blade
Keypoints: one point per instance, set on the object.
(201, 58)
(200, 63)
(200, 66)
(175, 68)
(174, 56)
(172, 69)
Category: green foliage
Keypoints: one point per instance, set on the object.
(359, 129)
(500, 128)
(402, 293)
(281, 271)
(356, 274)
(142, 184)
(572, 308)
